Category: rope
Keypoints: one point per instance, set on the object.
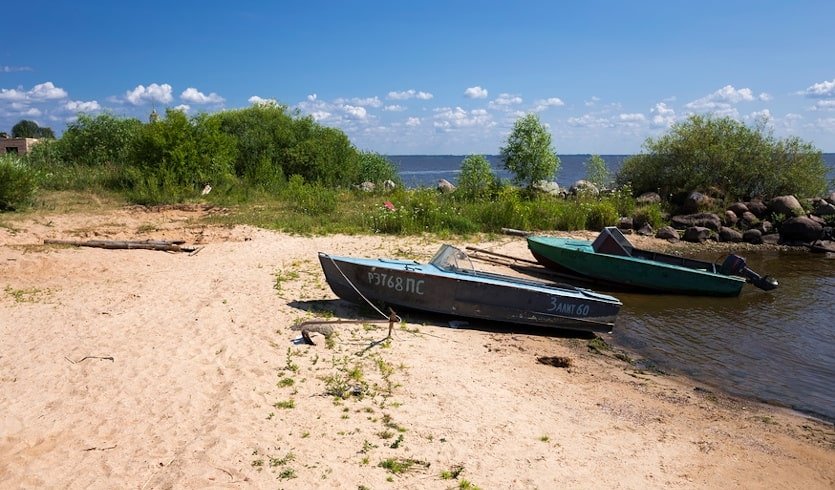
(358, 292)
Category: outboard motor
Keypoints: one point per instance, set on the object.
(735, 265)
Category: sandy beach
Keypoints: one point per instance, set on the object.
(146, 369)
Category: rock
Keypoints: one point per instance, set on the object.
(696, 201)
(729, 235)
(547, 187)
(645, 230)
(367, 186)
(800, 229)
(824, 208)
(707, 220)
(752, 236)
(765, 227)
(748, 220)
(772, 239)
(625, 223)
(757, 207)
(584, 187)
(696, 234)
(738, 208)
(667, 233)
(830, 198)
(445, 186)
(648, 198)
(788, 206)
(730, 218)
(389, 185)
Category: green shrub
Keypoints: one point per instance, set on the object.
(648, 213)
(18, 183)
(601, 214)
(98, 140)
(476, 179)
(377, 169)
(310, 199)
(721, 153)
(596, 171)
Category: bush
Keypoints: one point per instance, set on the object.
(310, 199)
(596, 171)
(18, 183)
(377, 169)
(600, 215)
(100, 140)
(476, 179)
(720, 153)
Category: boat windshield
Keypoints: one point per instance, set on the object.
(451, 259)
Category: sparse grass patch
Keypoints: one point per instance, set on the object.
(285, 404)
(452, 473)
(401, 465)
(285, 382)
(26, 295)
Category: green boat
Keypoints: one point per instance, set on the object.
(610, 259)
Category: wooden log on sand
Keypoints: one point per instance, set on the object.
(163, 245)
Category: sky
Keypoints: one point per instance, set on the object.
(432, 77)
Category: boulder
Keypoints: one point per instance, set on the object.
(547, 187)
(757, 207)
(625, 223)
(788, 206)
(730, 218)
(748, 220)
(772, 239)
(648, 198)
(696, 201)
(765, 227)
(367, 186)
(831, 198)
(738, 208)
(707, 220)
(696, 234)
(583, 187)
(645, 230)
(824, 208)
(729, 235)
(445, 186)
(800, 229)
(752, 236)
(389, 185)
(667, 233)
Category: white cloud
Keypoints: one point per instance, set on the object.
(81, 106)
(823, 90)
(394, 108)
(635, 117)
(589, 121)
(409, 94)
(40, 92)
(14, 69)
(504, 101)
(195, 96)
(824, 105)
(364, 102)
(47, 91)
(541, 105)
(475, 93)
(354, 112)
(592, 101)
(183, 108)
(255, 100)
(757, 115)
(151, 93)
(765, 97)
(413, 122)
(447, 118)
(722, 99)
(662, 116)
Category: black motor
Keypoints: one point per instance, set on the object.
(735, 265)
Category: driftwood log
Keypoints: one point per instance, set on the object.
(164, 245)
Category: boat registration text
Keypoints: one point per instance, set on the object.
(397, 283)
(567, 308)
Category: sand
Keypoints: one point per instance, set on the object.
(147, 369)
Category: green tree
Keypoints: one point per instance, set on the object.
(377, 168)
(528, 154)
(741, 162)
(30, 129)
(596, 171)
(98, 140)
(476, 178)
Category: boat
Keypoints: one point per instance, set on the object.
(612, 260)
(450, 284)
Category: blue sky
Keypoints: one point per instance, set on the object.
(432, 77)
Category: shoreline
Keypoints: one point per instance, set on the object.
(205, 386)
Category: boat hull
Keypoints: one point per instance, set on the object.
(410, 285)
(579, 257)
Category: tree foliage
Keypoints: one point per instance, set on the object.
(704, 153)
(596, 171)
(476, 178)
(98, 140)
(377, 168)
(30, 129)
(17, 183)
(528, 154)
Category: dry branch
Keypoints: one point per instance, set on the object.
(163, 245)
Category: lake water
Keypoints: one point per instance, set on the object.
(426, 170)
(776, 346)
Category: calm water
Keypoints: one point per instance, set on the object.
(776, 346)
